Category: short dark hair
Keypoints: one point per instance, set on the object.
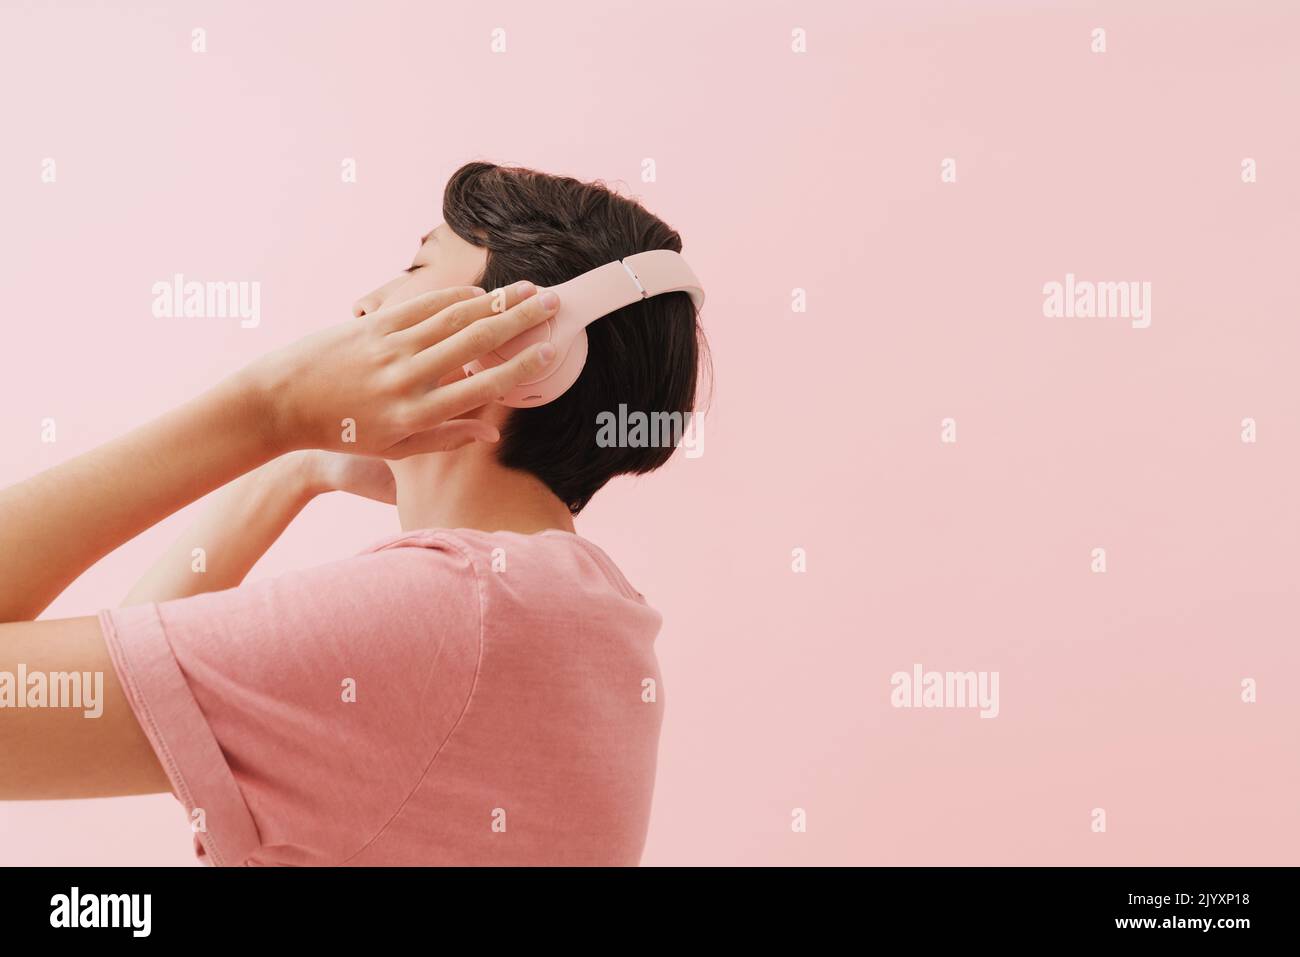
(549, 229)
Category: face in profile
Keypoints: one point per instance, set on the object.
(443, 260)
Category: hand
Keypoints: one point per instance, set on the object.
(370, 386)
(356, 474)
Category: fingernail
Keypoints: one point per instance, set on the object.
(549, 300)
(546, 352)
(524, 287)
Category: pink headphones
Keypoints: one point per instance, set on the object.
(583, 300)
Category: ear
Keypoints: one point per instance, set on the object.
(493, 414)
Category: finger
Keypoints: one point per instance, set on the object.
(483, 336)
(490, 385)
(461, 315)
(455, 375)
(444, 438)
(401, 315)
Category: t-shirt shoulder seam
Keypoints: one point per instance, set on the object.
(609, 569)
(473, 685)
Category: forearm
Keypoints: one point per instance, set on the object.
(57, 524)
(378, 376)
(243, 520)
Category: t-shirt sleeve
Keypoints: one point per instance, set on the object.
(294, 716)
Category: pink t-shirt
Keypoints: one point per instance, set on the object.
(444, 697)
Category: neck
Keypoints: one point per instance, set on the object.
(468, 488)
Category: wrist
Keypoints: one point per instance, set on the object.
(258, 389)
(303, 472)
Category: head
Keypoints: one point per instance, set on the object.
(505, 224)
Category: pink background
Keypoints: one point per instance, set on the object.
(817, 171)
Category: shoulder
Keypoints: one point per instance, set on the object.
(353, 670)
(560, 560)
(388, 595)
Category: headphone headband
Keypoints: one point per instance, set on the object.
(583, 300)
(610, 287)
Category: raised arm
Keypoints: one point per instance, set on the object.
(371, 380)
(246, 517)
(57, 524)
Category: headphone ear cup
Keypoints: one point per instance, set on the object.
(557, 383)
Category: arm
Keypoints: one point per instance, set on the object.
(376, 373)
(53, 527)
(55, 753)
(243, 521)
(57, 524)
(249, 515)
